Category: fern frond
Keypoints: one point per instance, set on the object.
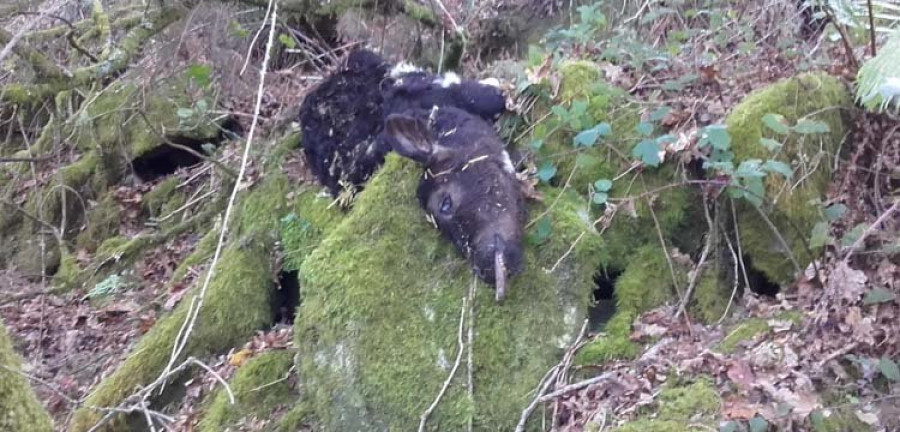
(878, 80)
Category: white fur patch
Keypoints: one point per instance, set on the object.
(448, 80)
(493, 82)
(507, 163)
(403, 68)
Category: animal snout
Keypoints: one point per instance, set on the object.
(497, 258)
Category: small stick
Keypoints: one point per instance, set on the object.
(459, 351)
(871, 228)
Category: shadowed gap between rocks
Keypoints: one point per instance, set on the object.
(165, 159)
(603, 300)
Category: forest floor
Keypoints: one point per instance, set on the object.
(70, 343)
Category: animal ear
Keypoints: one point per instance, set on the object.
(411, 136)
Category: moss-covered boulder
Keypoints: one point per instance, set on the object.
(792, 206)
(19, 408)
(381, 298)
(260, 387)
(644, 205)
(236, 305)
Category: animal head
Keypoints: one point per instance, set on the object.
(468, 189)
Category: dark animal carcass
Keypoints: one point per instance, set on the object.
(469, 188)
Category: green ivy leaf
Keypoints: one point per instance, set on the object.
(820, 236)
(536, 144)
(546, 171)
(202, 105)
(648, 152)
(287, 41)
(184, 113)
(201, 74)
(889, 369)
(817, 419)
(730, 426)
(718, 136)
(603, 185)
(770, 144)
(778, 167)
(644, 128)
(807, 127)
(758, 424)
(600, 197)
(587, 138)
(835, 212)
(543, 229)
(750, 168)
(660, 113)
(853, 235)
(879, 295)
(776, 123)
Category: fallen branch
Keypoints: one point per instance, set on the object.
(862, 238)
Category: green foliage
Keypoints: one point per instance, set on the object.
(21, 409)
(774, 131)
(260, 387)
(878, 80)
(689, 407)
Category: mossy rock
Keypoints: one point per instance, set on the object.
(159, 197)
(260, 387)
(311, 218)
(381, 298)
(813, 96)
(236, 305)
(103, 222)
(19, 407)
(582, 82)
(750, 328)
(645, 284)
(680, 407)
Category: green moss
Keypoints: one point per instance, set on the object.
(710, 297)
(310, 220)
(633, 225)
(817, 97)
(582, 82)
(164, 192)
(261, 211)
(102, 223)
(203, 251)
(680, 408)
(236, 305)
(381, 302)
(259, 387)
(67, 274)
(645, 284)
(840, 419)
(296, 419)
(750, 328)
(21, 409)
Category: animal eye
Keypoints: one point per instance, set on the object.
(446, 205)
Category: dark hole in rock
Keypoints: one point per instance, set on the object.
(286, 297)
(603, 301)
(758, 282)
(165, 158)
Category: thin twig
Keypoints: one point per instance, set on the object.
(550, 378)
(698, 270)
(461, 346)
(575, 386)
(184, 333)
(871, 228)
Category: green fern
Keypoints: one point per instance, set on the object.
(878, 80)
(855, 13)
